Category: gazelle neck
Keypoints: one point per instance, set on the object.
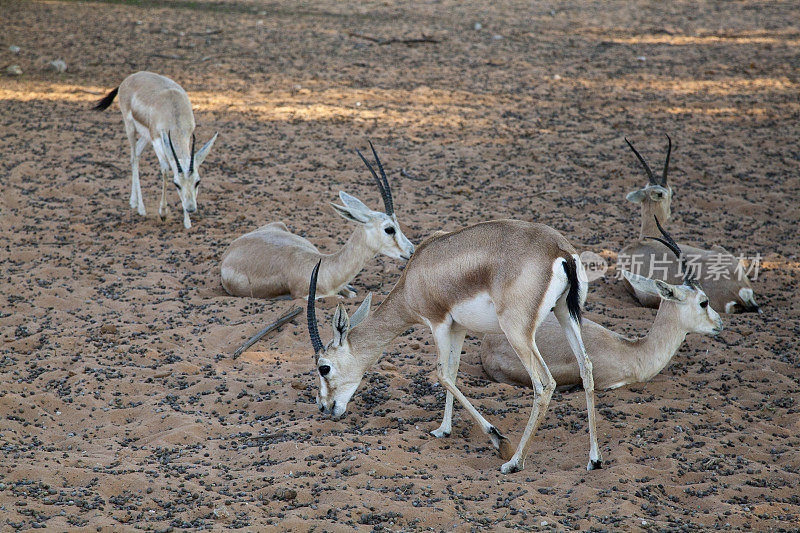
(369, 338)
(647, 356)
(649, 210)
(339, 268)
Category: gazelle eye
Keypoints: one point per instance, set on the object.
(389, 230)
(324, 370)
(704, 304)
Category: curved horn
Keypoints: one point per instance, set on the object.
(387, 199)
(666, 161)
(670, 243)
(311, 312)
(644, 164)
(390, 208)
(178, 163)
(191, 161)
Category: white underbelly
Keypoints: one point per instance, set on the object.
(477, 314)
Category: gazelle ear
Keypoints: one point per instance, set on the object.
(362, 312)
(352, 202)
(341, 325)
(636, 196)
(351, 214)
(655, 286)
(203, 152)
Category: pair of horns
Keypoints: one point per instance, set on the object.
(191, 161)
(383, 183)
(650, 176)
(669, 242)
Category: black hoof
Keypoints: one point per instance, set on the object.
(596, 465)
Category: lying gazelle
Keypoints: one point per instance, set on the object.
(158, 110)
(721, 275)
(271, 261)
(502, 276)
(616, 360)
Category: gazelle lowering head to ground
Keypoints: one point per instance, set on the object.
(502, 276)
(271, 261)
(616, 360)
(157, 111)
(721, 275)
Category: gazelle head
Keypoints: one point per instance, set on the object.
(340, 372)
(695, 312)
(187, 180)
(382, 229)
(656, 196)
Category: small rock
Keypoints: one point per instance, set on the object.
(414, 346)
(388, 366)
(221, 512)
(108, 329)
(14, 49)
(297, 385)
(497, 37)
(285, 494)
(58, 65)
(478, 26)
(641, 58)
(556, 77)
(14, 70)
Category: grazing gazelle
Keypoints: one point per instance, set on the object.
(502, 276)
(616, 360)
(158, 111)
(272, 261)
(721, 275)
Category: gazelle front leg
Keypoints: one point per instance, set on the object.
(573, 332)
(443, 337)
(163, 162)
(453, 361)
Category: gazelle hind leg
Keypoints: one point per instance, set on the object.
(442, 335)
(543, 386)
(573, 333)
(453, 362)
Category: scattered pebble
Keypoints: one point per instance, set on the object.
(14, 70)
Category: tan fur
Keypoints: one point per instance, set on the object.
(516, 264)
(271, 261)
(616, 360)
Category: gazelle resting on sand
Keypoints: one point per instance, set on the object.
(157, 111)
(721, 275)
(502, 276)
(616, 360)
(272, 261)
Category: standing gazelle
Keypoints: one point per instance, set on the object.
(271, 261)
(721, 275)
(158, 110)
(616, 360)
(502, 276)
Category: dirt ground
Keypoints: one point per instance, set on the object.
(121, 406)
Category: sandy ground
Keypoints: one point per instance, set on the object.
(121, 406)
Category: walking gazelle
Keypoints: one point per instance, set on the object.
(502, 276)
(157, 111)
